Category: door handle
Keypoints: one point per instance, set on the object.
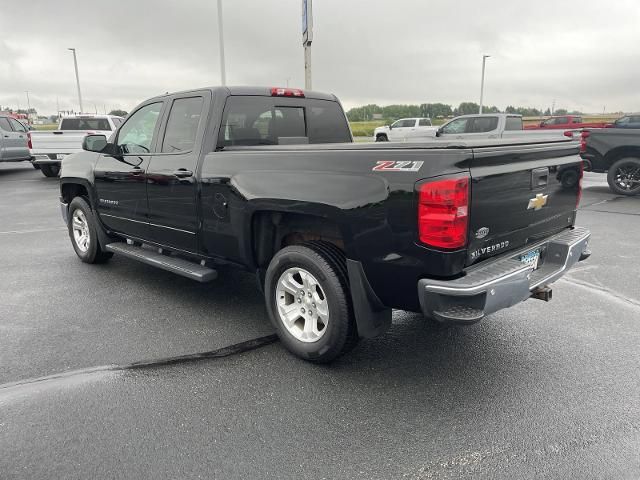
(137, 171)
(183, 173)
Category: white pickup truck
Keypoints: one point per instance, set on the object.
(48, 148)
(406, 130)
(492, 125)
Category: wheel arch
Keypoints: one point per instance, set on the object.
(621, 152)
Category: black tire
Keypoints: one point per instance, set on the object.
(624, 176)
(93, 252)
(327, 264)
(37, 167)
(382, 138)
(50, 170)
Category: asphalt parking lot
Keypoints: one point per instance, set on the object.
(543, 390)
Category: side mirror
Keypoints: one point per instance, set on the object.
(390, 127)
(438, 132)
(94, 143)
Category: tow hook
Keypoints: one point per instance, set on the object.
(542, 293)
(584, 255)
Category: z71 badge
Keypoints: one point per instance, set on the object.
(391, 166)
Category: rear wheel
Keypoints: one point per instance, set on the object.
(309, 302)
(50, 170)
(624, 176)
(382, 138)
(83, 233)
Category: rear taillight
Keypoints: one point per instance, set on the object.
(286, 92)
(580, 184)
(29, 144)
(443, 212)
(568, 133)
(583, 141)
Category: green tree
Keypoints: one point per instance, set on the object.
(560, 111)
(118, 113)
(435, 110)
(467, 108)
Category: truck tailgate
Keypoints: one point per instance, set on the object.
(521, 195)
(56, 141)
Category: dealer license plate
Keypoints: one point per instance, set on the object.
(531, 258)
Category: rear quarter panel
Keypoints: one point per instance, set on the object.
(374, 210)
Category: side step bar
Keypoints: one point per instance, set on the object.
(188, 269)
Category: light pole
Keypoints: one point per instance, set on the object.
(75, 64)
(28, 103)
(484, 60)
(307, 37)
(223, 73)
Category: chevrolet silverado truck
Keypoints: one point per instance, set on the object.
(337, 233)
(48, 148)
(616, 152)
(405, 130)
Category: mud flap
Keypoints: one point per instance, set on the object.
(372, 317)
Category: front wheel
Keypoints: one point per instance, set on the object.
(382, 138)
(83, 233)
(50, 169)
(624, 176)
(309, 303)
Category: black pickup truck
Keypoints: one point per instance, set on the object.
(337, 233)
(616, 152)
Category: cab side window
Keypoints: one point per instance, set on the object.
(455, 126)
(424, 122)
(5, 125)
(182, 126)
(17, 126)
(483, 124)
(136, 134)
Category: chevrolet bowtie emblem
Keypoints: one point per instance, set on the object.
(538, 202)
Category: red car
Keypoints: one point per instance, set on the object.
(567, 122)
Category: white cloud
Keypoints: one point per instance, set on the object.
(407, 51)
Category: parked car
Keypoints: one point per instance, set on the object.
(14, 145)
(337, 234)
(490, 125)
(616, 152)
(48, 148)
(565, 122)
(628, 121)
(406, 130)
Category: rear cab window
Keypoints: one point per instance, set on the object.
(256, 120)
(85, 124)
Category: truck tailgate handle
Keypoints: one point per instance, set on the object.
(539, 177)
(183, 173)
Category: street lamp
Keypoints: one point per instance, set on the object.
(75, 64)
(223, 73)
(28, 103)
(484, 59)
